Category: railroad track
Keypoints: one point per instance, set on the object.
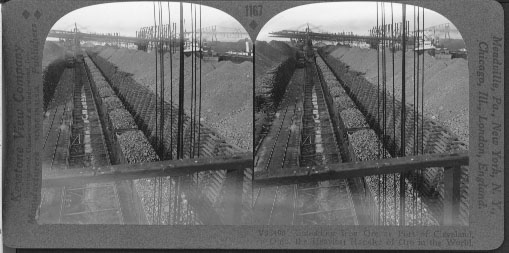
(319, 143)
(88, 146)
(56, 125)
(73, 139)
(302, 135)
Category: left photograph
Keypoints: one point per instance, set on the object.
(148, 116)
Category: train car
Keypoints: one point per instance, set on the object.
(127, 143)
(70, 61)
(309, 52)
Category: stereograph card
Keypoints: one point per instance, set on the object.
(253, 124)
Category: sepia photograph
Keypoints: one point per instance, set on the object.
(146, 84)
(331, 93)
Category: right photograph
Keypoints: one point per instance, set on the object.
(361, 117)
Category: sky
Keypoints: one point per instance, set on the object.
(356, 17)
(127, 17)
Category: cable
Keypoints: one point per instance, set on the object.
(378, 106)
(192, 84)
(422, 115)
(181, 87)
(414, 175)
(162, 100)
(199, 109)
(393, 103)
(384, 84)
(171, 82)
(155, 54)
(393, 75)
(195, 82)
(403, 119)
(422, 89)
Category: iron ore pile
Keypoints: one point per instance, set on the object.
(53, 65)
(52, 52)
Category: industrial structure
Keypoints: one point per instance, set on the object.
(148, 36)
(118, 152)
(344, 151)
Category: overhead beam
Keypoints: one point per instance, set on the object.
(325, 36)
(406, 164)
(102, 37)
(59, 178)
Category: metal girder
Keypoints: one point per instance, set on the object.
(358, 169)
(59, 178)
(96, 37)
(326, 36)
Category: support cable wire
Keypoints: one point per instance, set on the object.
(161, 86)
(384, 83)
(199, 105)
(393, 107)
(156, 79)
(155, 35)
(378, 106)
(158, 180)
(195, 83)
(252, 168)
(403, 119)
(192, 84)
(180, 148)
(416, 95)
(414, 175)
(414, 51)
(418, 173)
(171, 83)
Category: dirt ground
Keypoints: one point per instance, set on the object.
(445, 83)
(227, 89)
